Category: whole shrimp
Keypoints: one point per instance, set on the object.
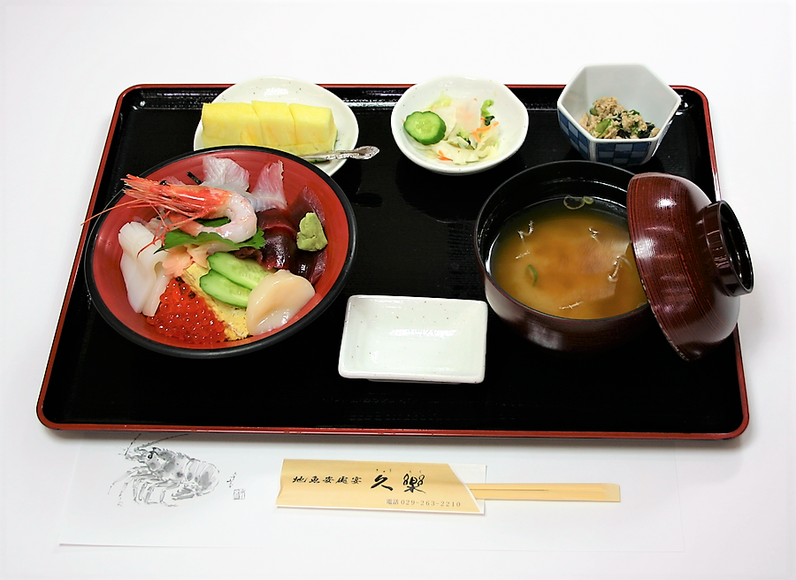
(179, 206)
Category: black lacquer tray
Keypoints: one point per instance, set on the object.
(415, 239)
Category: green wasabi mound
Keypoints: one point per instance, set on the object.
(311, 236)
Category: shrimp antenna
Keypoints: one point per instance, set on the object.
(131, 444)
(164, 439)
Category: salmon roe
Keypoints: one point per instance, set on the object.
(184, 315)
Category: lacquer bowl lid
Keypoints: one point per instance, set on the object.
(693, 260)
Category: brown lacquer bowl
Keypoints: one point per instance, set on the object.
(534, 185)
(691, 255)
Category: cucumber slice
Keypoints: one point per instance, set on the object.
(425, 127)
(222, 288)
(245, 272)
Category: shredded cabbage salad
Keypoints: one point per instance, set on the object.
(471, 131)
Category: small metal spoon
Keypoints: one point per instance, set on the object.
(364, 152)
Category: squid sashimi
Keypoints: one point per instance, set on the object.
(142, 270)
(275, 300)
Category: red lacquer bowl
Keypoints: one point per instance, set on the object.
(103, 253)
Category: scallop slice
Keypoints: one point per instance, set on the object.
(275, 300)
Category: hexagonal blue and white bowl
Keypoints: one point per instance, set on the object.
(636, 87)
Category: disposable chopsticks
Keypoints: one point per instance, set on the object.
(546, 491)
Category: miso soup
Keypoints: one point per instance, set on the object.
(570, 257)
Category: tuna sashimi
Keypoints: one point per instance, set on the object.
(274, 220)
(279, 251)
(306, 202)
(278, 220)
(310, 265)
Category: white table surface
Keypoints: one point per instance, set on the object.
(64, 63)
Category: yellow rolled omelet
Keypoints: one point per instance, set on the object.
(233, 318)
(230, 124)
(296, 128)
(276, 124)
(315, 128)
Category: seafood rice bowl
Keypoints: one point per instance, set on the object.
(220, 252)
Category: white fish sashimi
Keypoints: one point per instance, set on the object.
(269, 191)
(224, 173)
(144, 275)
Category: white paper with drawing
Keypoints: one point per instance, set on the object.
(178, 490)
(175, 491)
(214, 491)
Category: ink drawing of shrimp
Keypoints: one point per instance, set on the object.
(164, 476)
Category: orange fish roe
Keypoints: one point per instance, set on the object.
(184, 315)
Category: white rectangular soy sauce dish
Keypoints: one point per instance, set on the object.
(414, 339)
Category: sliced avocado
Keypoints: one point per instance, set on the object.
(243, 271)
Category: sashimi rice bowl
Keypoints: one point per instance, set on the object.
(220, 252)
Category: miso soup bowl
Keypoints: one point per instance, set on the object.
(534, 185)
(692, 258)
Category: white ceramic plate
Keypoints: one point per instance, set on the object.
(508, 110)
(414, 339)
(282, 89)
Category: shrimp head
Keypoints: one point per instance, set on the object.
(179, 206)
